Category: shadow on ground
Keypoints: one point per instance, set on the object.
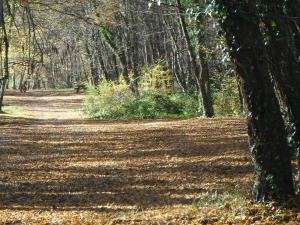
(106, 166)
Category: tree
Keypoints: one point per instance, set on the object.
(200, 69)
(283, 47)
(240, 22)
(4, 66)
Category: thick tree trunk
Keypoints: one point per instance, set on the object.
(283, 53)
(266, 130)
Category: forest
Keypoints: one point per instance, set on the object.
(149, 112)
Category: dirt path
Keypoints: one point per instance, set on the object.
(46, 105)
(74, 171)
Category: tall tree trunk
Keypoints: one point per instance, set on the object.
(103, 68)
(206, 90)
(2, 89)
(135, 54)
(6, 50)
(266, 130)
(93, 68)
(14, 86)
(177, 71)
(202, 83)
(283, 53)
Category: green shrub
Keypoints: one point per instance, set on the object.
(156, 78)
(189, 104)
(154, 105)
(227, 101)
(112, 101)
(115, 101)
(107, 100)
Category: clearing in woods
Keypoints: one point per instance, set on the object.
(59, 168)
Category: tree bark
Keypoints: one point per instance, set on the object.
(283, 55)
(267, 136)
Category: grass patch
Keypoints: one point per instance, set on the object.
(59, 90)
(234, 207)
(12, 110)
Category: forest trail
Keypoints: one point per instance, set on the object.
(69, 169)
(46, 105)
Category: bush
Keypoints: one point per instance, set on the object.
(157, 105)
(151, 106)
(114, 101)
(156, 78)
(107, 100)
(189, 104)
(227, 101)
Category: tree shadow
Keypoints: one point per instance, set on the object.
(88, 165)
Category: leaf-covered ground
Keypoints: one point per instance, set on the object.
(57, 168)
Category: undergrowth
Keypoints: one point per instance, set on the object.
(115, 101)
(235, 207)
(159, 97)
(11, 110)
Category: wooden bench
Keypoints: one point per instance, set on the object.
(80, 86)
